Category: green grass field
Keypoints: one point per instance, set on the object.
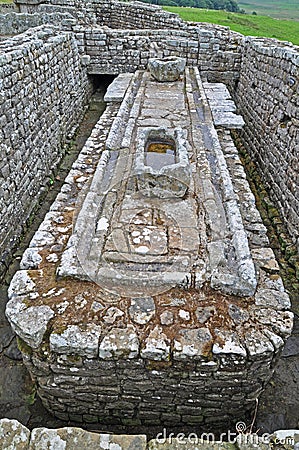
(280, 9)
(249, 25)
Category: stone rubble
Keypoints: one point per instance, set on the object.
(14, 436)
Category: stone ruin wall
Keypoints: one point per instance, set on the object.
(140, 31)
(6, 8)
(267, 96)
(44, 89)
(267, 72)
(13, 23)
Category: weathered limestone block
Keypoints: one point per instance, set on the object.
(274, 299)
(222, 108)
(119, 344)
(139, 332)
(30, 323)
(167, 69)
(156, 346)
(142, 309)
(31, 259)
(117, 89)
(21, 284)
(231, 346)
(193, 344)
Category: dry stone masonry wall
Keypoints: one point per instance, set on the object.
(44, 89)
(200, 354)
(267, 95)
(214, 50)
(6, 8)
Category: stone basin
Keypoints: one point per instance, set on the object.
(164, 173)
(167, 69)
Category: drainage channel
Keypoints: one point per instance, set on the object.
(17, 391)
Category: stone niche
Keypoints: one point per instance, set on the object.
(135, 309)
(162, 167)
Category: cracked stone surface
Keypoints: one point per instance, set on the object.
(29, 323)
(156, 346)
(119, 343)
(117, 89)
(13, 435)
(192, 343)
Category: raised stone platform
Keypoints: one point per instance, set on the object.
(131, 234)
(136, 309)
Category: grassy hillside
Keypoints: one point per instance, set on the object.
(280, 9)
(249, 25)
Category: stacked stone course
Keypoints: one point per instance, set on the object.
(43, 68)
(214, 51)
(143, 28)
(7, 8)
